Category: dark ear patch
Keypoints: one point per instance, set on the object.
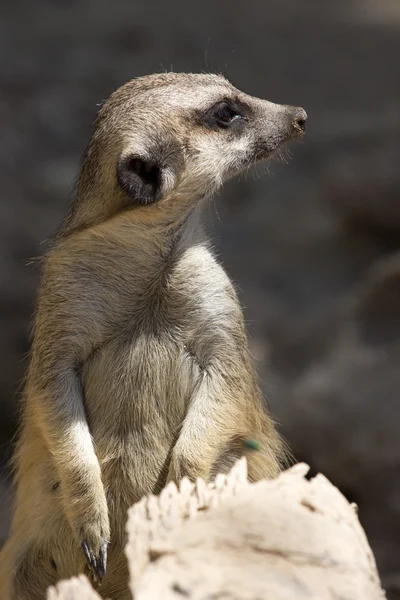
(139, 178)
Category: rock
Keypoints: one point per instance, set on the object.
(283, 539)
(77, 588)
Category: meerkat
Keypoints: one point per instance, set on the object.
(140, 371)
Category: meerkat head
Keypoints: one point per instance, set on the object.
(171, 137)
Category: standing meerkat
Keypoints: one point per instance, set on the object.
(139, 371)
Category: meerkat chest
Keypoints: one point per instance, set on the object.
(200, 296)
(144, 376)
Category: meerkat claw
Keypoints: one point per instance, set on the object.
(87, 554)
(97, 565)
(102, 566)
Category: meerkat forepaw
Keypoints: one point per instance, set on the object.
(94, 538)
(184, 467)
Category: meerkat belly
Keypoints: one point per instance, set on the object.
(136, 391)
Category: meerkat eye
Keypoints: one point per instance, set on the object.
(221, 116)
(225, 114)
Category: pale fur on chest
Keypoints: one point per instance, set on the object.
(147, 372)
(114, 284)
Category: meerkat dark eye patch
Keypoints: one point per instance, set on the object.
(226, 114)
(139, 178)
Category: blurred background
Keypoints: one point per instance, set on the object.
(313, 247)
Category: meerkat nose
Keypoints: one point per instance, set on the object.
(299, 121)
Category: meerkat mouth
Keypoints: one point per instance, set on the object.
(265, 153)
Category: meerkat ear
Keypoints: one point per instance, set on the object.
(140, 179)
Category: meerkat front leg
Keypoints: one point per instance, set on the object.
(204, 433)
(217, 416)
(62, 420)
(64, 336)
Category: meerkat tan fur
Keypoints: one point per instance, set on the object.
(140, 371)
